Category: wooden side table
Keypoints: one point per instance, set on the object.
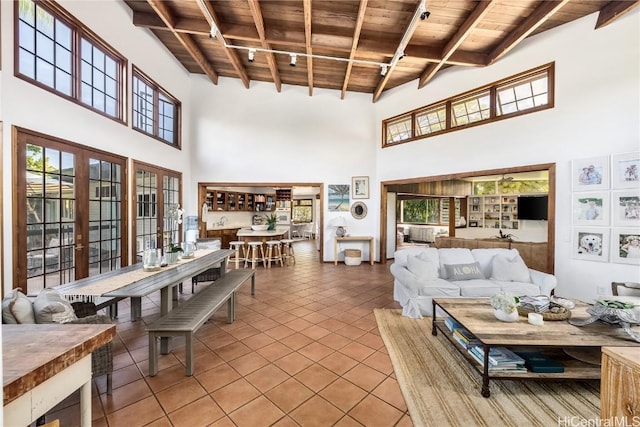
(620, 385)
(336, 244)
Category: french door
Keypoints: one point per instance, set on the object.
(156, 208)
(69, 211)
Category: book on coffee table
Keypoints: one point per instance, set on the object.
(536, 361)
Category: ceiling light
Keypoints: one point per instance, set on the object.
(252, 54)
(383, 70)
(214, 30)
(294, 59)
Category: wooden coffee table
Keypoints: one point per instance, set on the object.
(476, 315)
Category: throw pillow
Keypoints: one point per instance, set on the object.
(17, 308)
(51, 307)
(422, 267)
(464, 271)
(509, 270)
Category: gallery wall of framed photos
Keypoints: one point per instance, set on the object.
(606, 208)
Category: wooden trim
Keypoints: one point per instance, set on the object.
(2, 271)
(551, 222)
(320, 217)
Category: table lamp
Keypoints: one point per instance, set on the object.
(340, 223)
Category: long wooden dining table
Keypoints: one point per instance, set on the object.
(134, 283)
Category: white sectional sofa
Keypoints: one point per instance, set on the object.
(422, 273)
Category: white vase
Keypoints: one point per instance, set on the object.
(506, 317)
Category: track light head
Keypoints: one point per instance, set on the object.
(294, 59)
(252, 55)
(383, 70)
(424, 15)
(214, 31)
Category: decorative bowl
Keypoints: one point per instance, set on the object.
(260, 227)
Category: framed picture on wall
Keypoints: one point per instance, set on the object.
(591, 208)
(360, 187)
(590, 174)
(590, 244)
(625, 245)
(625, 170)
(338, 198)
(626, 208)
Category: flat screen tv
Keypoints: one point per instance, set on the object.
(533, 207)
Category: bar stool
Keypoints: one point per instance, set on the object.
(287, 251)
(255, 254)
(274, 253)
(240, 252)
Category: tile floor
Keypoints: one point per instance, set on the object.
(305, 351)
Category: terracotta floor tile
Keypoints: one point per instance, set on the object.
(371, 340)
(316, 412)
(126, 395)
(266, 378)
(298, 324)
(137, 414)
(216, 378)
(380, 362)
(338, 363)
(364, 377)
(289, 394)
(180, 394)
(201, 412)
(343, 394)
(315, 332)
(232, 351)
(296, 341)
(347, 421)
(389, 391)
(316, 351)
(234, 395)
(293, 363)
(279, 332)
(257, 413)
(334, 341)
(274, 351)
(248, 363)
(316, 377)
(258, 341)
(357, 351)
(375, 412)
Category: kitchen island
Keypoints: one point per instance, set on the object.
(249, 235)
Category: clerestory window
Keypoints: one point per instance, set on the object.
(60, 54)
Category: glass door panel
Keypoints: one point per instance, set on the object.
(146, 212)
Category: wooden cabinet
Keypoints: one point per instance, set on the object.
(225, 235)
(620, 386)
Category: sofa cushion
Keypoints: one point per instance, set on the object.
(401, 256)
(422, 267)
(453, 256)
(477, 287)
(51, 307)
(463, 271)
(509, 270)
(519, 288)
(484, 256)
(17, 308)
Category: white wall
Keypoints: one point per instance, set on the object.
(260, 135)
(25, 105)
(596, 114)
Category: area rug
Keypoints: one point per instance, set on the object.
(441, 388)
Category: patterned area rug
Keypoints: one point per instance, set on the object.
(441, 388)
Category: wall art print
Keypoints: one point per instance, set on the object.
(338, 198)
(626, 208)
(590, 174)
(590, 244)
(625, 170)
(591, 208)
(625, 245)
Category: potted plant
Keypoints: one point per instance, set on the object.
(271, 221)
(505, 306)
(173, 252)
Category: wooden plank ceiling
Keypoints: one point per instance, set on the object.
(346, 45)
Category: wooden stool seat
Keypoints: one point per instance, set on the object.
(240, 253)
(274, 253)
(255, 255)
(287, 251)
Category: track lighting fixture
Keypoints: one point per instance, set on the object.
(383, 70)
(252, 54)
(214, 30)
(424, 15)
(294, 59)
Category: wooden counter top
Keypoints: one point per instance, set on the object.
(248, 232)
(31, 354)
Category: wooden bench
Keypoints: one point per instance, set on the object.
(186, 319)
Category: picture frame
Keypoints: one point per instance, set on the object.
(338, 198)
(590, 243)
(625, 170)
(591, 208)
(625, 245)
(626, 208)
(360, 187)
(590, 174)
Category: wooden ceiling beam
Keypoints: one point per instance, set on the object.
(187, 42)
(354, 45)
(454, 43)
(307, 43)
(232, 55)
(614, 10)
(533, 21)
(153, 21)
(256, 12)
